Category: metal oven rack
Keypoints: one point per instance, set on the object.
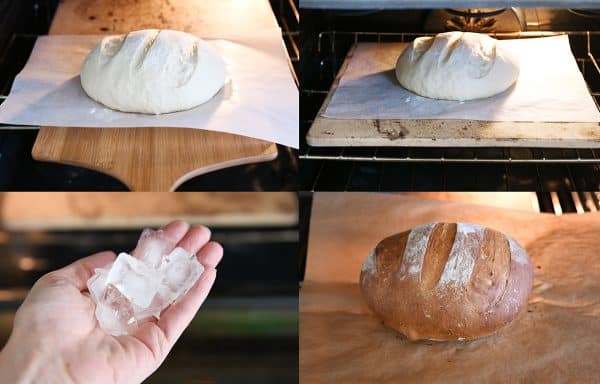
(571, 164)
(288, 17)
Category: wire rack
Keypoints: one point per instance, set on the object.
(560, 203)
(289, 20)
(331, 43)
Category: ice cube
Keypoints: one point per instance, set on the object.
(136, 280)
(108, 319)
(135, 289)
(114, 311)
(152, 246)
(97, 283)
(180, 270)
(153, 309)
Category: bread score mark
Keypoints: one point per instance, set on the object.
(140, 56)
(414, 253)
(440, 243)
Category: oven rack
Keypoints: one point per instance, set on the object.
(559, 203)
(288, 16)
(484, 155)
(328, 44)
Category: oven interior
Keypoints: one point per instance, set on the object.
(327, 36)
(20, 24)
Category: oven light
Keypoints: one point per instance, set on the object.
(27, 263)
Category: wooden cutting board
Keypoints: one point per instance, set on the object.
(554, 340)
(332, 132)
(150, 159)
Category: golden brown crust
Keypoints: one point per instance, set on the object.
(436, 255)
(447, 281)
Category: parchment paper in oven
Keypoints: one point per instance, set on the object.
(260, 99)
(550, 88)
(555, 340)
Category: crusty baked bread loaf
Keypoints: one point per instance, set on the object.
(447, 281)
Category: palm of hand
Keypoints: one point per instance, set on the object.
(68, 324)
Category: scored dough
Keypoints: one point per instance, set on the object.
(152, 71)
(456, 66)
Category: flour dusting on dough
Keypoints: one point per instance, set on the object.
(517, 253)
(416, 246)
(461, 260)
(369, 263)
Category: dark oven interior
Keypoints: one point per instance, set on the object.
(20, 23)
(327, 36)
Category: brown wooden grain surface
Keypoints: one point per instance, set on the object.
(84, 210)
(153, 159)
(204, 17)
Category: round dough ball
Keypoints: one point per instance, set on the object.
(447, 281)
(456, 66)
(152, 71)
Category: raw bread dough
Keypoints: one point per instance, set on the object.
(456, 66)
(152, 71)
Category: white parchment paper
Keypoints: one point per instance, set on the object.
(260, 99)
(550, 88)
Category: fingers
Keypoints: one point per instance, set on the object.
(210, 256)
(153, 245)
(176, 230)
(195, 239)
(79, 272)
(177, 317)
(159, 337)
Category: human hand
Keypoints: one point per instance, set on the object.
(56, 337)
